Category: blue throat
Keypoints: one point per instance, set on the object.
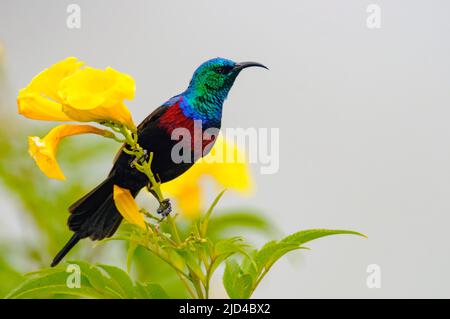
(207, 90)
(206, 106)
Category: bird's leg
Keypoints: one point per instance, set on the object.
(165, 207)
(142, 162)
(146, 156)
(138, 160)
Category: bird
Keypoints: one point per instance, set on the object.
(95, 214)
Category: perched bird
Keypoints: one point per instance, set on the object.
(95, 215)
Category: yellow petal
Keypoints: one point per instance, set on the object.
(90, 88)
(65, 92)
(127, 207)
(40, 100)
(47, 82)
(229, 167)
(119, 114)
(189, 201)
(43, 151)
(37, 107)
(44, 157)
(234, 176)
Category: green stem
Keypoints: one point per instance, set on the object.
(140, 163)
(144, 166)
(174, 228)
(198, 288)
(187, 286)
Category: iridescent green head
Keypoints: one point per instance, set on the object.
(213, 79)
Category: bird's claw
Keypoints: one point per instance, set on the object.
(164, 209)
(136, 160)
(146, 155)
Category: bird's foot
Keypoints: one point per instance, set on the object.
(145, 157)
(164, 209)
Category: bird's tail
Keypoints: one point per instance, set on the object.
(67, 247)
(95, 215)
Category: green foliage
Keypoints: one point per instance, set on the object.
(45, 201)
(240, 281)
(45, 204)
(191, 256)
(174, 258)
(9, 276)
(181, 260)
(100, 281)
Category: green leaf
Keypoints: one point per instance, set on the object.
(205, 220)
(237, 284)
(55, 283)
(92, 274)
(193, 264)
(305, 236)
(176, 259)
(120, 281)
(102, 281)
(257, 263)
(249, 266)
(273, 251)
(225, 248)
(151, 291)
(230, 245)
(132, 246)
(9, 276)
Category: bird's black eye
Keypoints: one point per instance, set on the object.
(223, 69)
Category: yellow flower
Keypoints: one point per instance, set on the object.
(233, 173)
(43, 151)
(68, 92)
(127, 207)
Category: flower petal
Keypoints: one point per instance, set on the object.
(37, 107)
(40, 100)
(47, 82)
(91, 88)
(44, 157)
(127, 207)
(189, 200)
(43, 151)
(119, 114)
(227, 164)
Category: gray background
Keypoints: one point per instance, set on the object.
(363, 116)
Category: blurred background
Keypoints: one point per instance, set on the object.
(363, 117)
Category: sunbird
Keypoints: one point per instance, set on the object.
(95, 215)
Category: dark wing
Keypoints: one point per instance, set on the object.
(155, 139)
(156, 114)
(153, 117)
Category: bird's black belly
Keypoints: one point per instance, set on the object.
(163, 167)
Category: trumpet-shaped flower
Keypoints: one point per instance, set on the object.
(225, 164)
(127, 207)
(43, 151)
(68, 92)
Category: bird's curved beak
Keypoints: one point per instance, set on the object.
(242, 65)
